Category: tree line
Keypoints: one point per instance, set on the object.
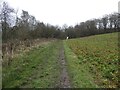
(27, 27)
(107, 24)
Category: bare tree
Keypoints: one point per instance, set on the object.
(5, 17)
(105, 22)
(24, 27)
(32, 22)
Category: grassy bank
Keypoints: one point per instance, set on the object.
(37, 68)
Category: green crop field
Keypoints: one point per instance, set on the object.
(93, 61)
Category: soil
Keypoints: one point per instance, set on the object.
(64, 78)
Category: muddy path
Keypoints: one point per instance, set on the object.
(64, 78)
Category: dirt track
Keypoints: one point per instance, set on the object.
(64, 78)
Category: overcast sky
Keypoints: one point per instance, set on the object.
(70, 12)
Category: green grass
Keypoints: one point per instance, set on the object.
(37, 68)
(93, 60)
(79, 75)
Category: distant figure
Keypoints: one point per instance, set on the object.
(67, 38)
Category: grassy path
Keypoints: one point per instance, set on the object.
(37, 68)
(64, 78)
(76, 63)
(41, 67)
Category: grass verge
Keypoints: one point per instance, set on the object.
(37, 68)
